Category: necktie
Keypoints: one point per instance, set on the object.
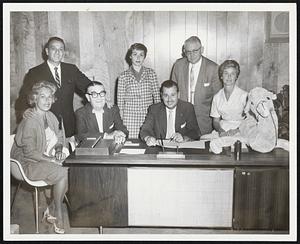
(192, 83)
(170, 125)
(57, 77)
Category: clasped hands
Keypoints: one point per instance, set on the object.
(118, 136)
(230, 132)
(152, 141)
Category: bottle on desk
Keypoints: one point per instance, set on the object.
(237, 150)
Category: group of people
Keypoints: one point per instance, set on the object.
(190, 104)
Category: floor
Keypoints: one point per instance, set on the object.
(23, 215)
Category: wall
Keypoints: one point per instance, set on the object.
(97, 42)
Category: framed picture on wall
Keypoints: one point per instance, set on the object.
(277, 27)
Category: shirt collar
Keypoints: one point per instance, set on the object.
(52, 66)
(168, 110)
(198, 64)
(97, 111)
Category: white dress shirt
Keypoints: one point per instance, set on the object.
(196, 70)
(99, 117)
(170, 127)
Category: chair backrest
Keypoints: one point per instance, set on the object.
(15, 167)
(16, 170)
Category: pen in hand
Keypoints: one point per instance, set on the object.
(162, 143)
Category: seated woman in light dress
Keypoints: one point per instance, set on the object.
(228, 104)
(39, 146)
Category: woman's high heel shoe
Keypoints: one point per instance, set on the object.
(46, 215)
(58, 230)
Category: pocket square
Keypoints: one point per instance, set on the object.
(183, 125)
(111, 126)
(206, 84)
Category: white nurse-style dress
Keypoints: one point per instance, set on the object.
(229, 111)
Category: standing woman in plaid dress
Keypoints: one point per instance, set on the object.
(137, 90)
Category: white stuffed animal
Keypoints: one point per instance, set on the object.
(259, 129)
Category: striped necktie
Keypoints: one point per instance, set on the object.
(192, 83)
(57, 77)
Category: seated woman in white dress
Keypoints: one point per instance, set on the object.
(227, 109)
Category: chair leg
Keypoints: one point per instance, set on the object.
(67, 201)
(36, 210)
(15, 194)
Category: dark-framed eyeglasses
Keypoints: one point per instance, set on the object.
(192, 51)
(96, 94)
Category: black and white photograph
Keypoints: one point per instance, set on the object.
(149, 121)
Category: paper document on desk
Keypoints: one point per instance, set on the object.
(133, 150)
(131, 144)
(189, 144)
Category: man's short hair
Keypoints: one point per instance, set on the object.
(93, 83)
(169, 84)
(192, 39)
(55, 38)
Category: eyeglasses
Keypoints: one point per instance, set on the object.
(96, 94)
(192, 51)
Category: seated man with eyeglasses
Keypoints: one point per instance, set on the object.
(96, 117)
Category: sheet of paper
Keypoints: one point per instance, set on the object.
(131, 144)
(133, 150)
(190, 144)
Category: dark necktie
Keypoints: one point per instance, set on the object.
(57, 77)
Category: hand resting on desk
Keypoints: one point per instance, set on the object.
(117, 135)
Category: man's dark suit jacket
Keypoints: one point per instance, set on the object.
(155, 124)
(87, 125)
(208, 84)
(72, 79)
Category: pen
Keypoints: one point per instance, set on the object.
(162, 143)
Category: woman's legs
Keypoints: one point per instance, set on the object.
(59, 190)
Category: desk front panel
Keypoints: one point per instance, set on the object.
(98, 196)
(182, 197)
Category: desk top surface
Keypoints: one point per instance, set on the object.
(193, 157)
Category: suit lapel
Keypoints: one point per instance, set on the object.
(48, 72)
(179, 115)
(201, 76)
(92, 119)
(186, 81)
(106, 119)
(162, 119)
(62, 73)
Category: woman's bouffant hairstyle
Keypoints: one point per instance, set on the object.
(137, 46)
(36, 89)
(229, 64)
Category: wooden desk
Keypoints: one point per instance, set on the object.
(203, 190)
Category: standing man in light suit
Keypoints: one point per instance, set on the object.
(67, 78)
(198, 81)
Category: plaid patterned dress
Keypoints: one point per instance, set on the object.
(134, 97)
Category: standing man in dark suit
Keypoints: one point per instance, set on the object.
(172, 119)
(68, 79)
(198, 81)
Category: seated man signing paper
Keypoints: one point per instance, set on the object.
(96, 117)
(172, 119)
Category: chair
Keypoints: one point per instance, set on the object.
(17, 172)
